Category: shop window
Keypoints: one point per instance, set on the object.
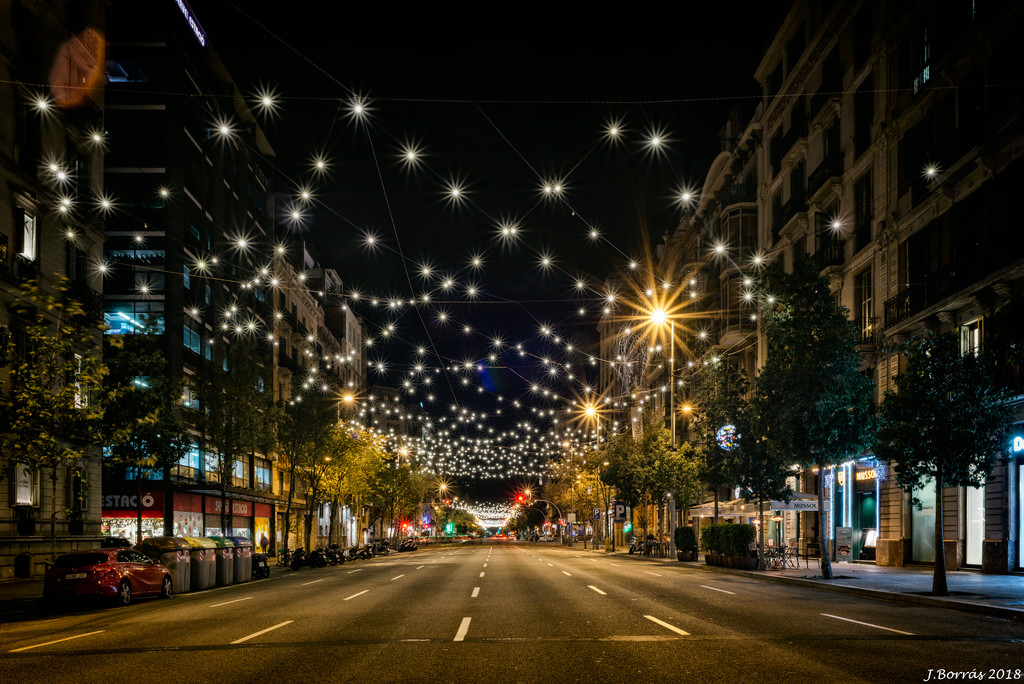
(25, 486)
(190, 464)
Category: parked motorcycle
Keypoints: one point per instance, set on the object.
(335, 555)
(260, 566)
(298, 559)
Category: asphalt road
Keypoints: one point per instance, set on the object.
(510, 613)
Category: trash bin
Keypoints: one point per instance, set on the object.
(225, 560)
(204, 562)
(174, 553)
(243, 559)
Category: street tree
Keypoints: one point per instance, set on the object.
(719, 399)
(237, 416)
(143, 427)
(637, 468)
(53, 417)
(814, 404)
(943, 426)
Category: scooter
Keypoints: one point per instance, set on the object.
(260, 566)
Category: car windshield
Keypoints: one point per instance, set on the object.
(75, 560)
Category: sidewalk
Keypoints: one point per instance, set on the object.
(969, 591)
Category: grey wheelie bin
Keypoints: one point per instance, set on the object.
(243, 559)
(174, 553)
(225, 560)
(204, 562)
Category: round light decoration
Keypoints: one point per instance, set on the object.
(727, 437)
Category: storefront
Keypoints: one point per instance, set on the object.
(239, 521)
(852, 493)
(1017, 493)
(188, 515)
(261, 525)
(120, 517)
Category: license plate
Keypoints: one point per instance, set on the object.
(75, 575)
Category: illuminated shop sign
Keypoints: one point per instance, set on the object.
(193, 23)
(1018, 444)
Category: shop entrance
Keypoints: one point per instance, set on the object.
(922, 525)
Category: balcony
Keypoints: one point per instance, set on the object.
(868, 328)
(919, 296)
(737, 194)
(828, 169)
(831, 253)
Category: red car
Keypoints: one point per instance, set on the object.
(119, 574)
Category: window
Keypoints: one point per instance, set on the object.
(190, 393)
(81, 400)
(208, 350)
(77, 490)
(25, 484)
(863, 294)
(863, 113)
(238, 473)
(132, 318)
(190, 465)
(970, 338)
(212, 466)
(920, 60)
(190, 338)
(862, 211)
(262, 475)
(29, 237)
(186, 277)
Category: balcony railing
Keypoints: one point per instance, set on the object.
(829, 168)
(830, 254)
(868, 328)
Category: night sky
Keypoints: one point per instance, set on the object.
(498, 101)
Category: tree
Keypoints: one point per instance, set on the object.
(639, 468)
(55, 414)
(142, 422)
(302, 425)
(719, 399)
(237, 416)
(946, 423)
(814, 404)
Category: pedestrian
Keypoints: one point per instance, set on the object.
(264, 542)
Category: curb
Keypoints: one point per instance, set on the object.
(963, 606)
(1004, 612)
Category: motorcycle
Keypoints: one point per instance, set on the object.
(298, 559)
(335, 556)
(260, 566)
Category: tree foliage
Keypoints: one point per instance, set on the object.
(812, 401)
(54, 415)
(945, 424)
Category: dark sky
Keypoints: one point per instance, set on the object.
(502, 99)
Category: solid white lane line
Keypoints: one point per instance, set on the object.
(868, 624)
(481, 574)
(314, 581)
(602, 593)
(354, 595)
(463, 628)
(55, 641)
(262, 631)
(422, 566)
(351, 571)
(396, 577)
(717, 589)
(666, 625)
(476, 592)
(567, 573)
(652, 573)
(246, 598)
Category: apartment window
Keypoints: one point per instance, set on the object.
(211, 465)
(920, 60)
(863, 113)
(238, 474)
(77, 491)
(81, 400)
(25, 485)
(29, 237)
(970, 338)
(186, 277)
(208, 350)
(863, 294)
(190, 464)
(862, 211)
(262, 471)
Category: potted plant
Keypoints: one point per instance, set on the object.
(686, 544)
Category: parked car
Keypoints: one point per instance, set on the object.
(115, 573)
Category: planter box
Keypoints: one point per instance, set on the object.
(686, 556)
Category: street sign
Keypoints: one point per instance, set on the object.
(597, 514)
(620, 511)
